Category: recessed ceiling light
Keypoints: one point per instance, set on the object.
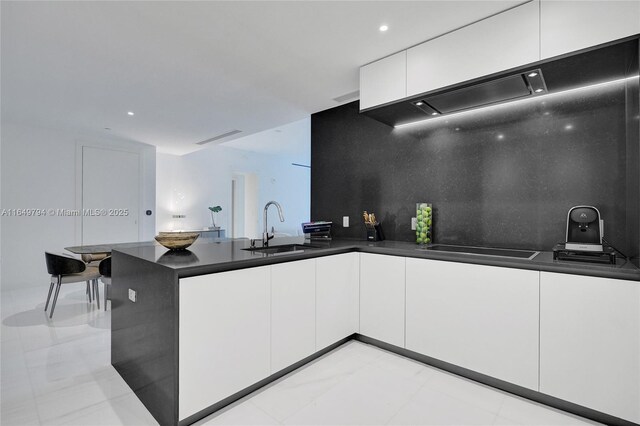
(539, 90)
(500, 136)
(384, 28)
(130, 113)
(419, 103)
(568, 127)
(434, 113)
(532, 74)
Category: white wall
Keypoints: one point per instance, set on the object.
(39, 171)
(189, 184)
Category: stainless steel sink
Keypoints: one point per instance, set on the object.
(484, 251)
(286, 248)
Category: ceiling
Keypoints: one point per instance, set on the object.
(193, 70)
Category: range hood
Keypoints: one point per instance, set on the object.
(608, 62)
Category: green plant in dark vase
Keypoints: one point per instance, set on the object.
(214, 215)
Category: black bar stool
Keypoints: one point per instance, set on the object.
(64, 270)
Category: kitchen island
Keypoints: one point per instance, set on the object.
(193, 331)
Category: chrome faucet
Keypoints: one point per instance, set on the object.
(265, 235)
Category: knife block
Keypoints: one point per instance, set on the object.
(374, 233)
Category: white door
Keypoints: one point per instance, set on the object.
(237, 206)
(110, 195)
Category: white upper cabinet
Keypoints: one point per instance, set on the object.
(383, 81)
(566, 26)
(506, 40)
(590, 342)
(382, 297)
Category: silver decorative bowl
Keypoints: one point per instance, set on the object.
(176, 240)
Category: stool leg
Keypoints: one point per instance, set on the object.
(88, 292)
(49, 296)
(55, 298)
(95, 285)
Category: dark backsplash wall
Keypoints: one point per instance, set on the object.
(503, 176)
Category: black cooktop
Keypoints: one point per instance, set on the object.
(485, 251)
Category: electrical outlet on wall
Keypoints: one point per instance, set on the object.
(414, 222)
(345, 221)
(133, 295)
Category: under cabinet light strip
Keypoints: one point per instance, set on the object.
(545, 96)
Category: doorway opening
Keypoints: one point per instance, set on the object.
(244, 205)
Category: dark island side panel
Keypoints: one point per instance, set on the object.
(504, 176)
(144, 335)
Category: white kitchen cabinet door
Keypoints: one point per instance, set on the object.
(503, 41)
(383, 81)
(566, 26)
(382, 300)
(224, 336)
(337, 281)
(483, 318)
(590, 342)
(293, 312)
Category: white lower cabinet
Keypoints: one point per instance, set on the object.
(224, 336)
(337, 281)
(382, 286)
(590, 342)
(573, 337)
(293, 312)
(482, 318)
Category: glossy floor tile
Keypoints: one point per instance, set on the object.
(58, 372)
(358, 384)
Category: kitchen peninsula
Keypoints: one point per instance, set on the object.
(193, 331)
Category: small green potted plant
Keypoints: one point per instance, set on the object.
(214, 216)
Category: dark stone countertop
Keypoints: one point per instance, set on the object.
(206, 257)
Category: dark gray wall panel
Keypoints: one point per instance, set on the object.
(144, 335)
(504, 176)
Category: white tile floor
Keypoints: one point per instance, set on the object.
(58, 373)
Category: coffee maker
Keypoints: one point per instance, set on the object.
(585, 230)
